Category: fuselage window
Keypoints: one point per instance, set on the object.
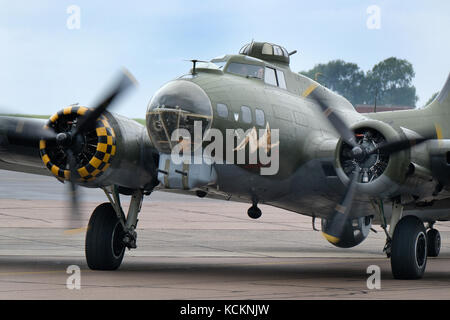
(270, 77)
(281, 80)
(246, 70)
(222, 110)
(246, 114)
(259, 117)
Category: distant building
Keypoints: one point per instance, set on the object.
(366, 108)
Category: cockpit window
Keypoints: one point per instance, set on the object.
(281, 80)
(218, 65)
(270, 77)
(246, 70)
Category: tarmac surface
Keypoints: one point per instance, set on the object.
(191, 248)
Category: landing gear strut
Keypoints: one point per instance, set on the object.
(110, 232)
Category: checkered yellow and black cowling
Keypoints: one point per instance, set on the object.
(100, 161)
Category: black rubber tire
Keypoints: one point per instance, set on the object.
(254, 212)
(409, 249)
(104, 248)
(434, 243)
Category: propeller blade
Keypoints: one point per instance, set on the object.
(397, 146)
(126, 80)
(29, 131)
(74, 210)
(338, 124)
(335, 226)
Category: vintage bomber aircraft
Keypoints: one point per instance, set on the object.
(349, 169)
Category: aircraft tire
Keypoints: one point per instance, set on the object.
(434, 242)
(409, 249)
(104, 247)
(254, 212)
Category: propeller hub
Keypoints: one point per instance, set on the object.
(358, 153)
(89, 152)
(64, 139)
(361, 157)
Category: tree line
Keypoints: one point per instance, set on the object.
(388, 82)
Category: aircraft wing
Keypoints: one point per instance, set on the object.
(17, 154)
(117, 152)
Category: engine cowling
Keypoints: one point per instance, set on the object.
(355, 231)
(381, 174)
(116, 151)
(94, 149)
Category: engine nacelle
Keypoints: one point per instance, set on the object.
(381, 174)
(116, 151)
(94, 150)
(355, 231)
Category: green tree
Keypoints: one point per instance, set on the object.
(390, 80)
(340, 76)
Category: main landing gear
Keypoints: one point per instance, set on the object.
(110, 232)
(409, 249)
(434, 242)
(409, 244)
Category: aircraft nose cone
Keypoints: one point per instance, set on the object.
(184, 95)
(179, 104)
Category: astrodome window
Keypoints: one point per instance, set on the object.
(246, 70)
(245, 49)
(267, 49)
(277, 51)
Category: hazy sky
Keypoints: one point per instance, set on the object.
(46, 66)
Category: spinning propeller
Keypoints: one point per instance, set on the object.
(360, 153)
(70, 140)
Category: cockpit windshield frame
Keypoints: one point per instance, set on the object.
(248, 70)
